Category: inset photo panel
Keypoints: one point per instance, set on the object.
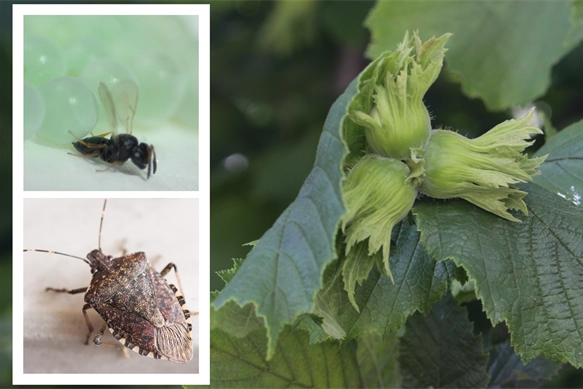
(110, 100)
(110, 287)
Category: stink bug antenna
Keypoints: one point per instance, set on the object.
(56, 252)
(101, 225)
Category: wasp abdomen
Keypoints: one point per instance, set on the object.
(84, 148)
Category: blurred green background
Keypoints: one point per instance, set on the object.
(276, 69)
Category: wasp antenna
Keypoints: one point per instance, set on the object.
(58, 253)
(149, 163)
(151, 156)
(101, 225)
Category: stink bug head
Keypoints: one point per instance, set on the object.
(98, 261)
(118, 279)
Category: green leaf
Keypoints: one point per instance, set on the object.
(235, 320)
(241, 363)
(231, 318)
(440, 350)
(379, 361)
(562, 171)
(505, 367)
(528, 274)
(228, 274)
(356, 268)
(384, 306)
(576, 32)
(283, 271)
(492, 46)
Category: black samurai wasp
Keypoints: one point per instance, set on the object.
(120, 105)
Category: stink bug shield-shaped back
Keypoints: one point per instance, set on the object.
(141, 310)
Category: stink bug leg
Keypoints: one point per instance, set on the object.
(139, 307)
(179, 296)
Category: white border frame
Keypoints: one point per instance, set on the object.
(203, 12)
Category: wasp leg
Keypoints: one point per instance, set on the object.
(90, 155)
(116, 163)
(99, 135)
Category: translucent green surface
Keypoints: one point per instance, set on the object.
(163, 82)
(158, 53)
(70, 106)
(34, 110)
(43, 60)
(83, 51)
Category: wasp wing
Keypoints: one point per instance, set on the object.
(107, 101)
(125, 98)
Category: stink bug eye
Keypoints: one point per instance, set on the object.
(143, 310)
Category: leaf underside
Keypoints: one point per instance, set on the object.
(283, 271)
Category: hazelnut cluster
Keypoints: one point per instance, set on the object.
(405, 156)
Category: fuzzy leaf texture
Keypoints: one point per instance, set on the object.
(491, 47)
(562, 172)
(241, 362)
(384, 305)
(528, 274)
(440, 350)
(283, 271)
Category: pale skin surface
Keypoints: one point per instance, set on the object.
(54, 327)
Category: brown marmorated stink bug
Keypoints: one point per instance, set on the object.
(141, 310)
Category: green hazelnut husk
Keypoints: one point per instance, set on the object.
(377, 197)
(482, 170)
(398, 119)
(397, 129)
